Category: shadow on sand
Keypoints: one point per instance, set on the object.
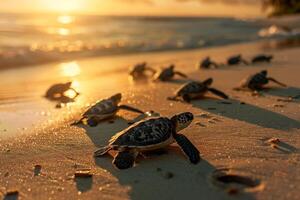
(285, 92)
(248, 113)
(165, 174)
(84, 184)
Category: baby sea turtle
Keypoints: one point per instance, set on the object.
(56, 91)
(148, 135)
(207, 63)
(236, 60)
(168, 73)
(262, 58)
(105, 109)
(257, 81)
(140, 69)
(196, 89)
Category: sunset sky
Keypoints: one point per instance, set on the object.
(239, 8)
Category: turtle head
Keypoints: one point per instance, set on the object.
(264, 72)
(182, 120)
(172, 66)
(116, 98)
(208, 81)
(68, 84)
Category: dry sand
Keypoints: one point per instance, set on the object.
(232, 137)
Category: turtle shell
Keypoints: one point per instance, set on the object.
(165, 74)
(256, 80)
(154, 132)
(104, 107)
(192, 87)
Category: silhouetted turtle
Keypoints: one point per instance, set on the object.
(262, 58)
(196, 89)
(105, 109)
(168, 73)
(257, 81)
(56, 91)
(236, 60)
(149, 135)
(207, 63)
(139, 70)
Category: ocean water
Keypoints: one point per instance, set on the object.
(33, 39)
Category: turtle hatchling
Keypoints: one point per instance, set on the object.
(56, 91)
(148, 135)
(257, 81)
(105, 109)
(207, 63)
(140, 69)
(236, 60)
(196, 89)
(262, 58)
(168, 73)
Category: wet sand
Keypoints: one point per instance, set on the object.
(40, 152)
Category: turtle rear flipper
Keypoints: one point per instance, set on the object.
(188, 148)
(215, 65)
(245, 62)
(101, 151)
(275, 81)
(129, 108)
(124, 160)
(181, 74)
(78, 122)
(208, 81)
(218, 93)
(151, 69)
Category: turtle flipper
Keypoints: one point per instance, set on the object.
(187, 98)
(188, 148)
(275, 81)
(218, 93)
(129, 108)
(180, 74)
(215, 65)
(101, 151)
(151, 69)
(78, 122)
(208, 81)
(245, 62)
(92, 121)
(124, 160)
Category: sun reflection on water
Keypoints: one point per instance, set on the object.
(63, 31)
(65, 19)
(70, 69)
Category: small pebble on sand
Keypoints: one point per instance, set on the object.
(37, 170)
(278, 105)
(169, 175)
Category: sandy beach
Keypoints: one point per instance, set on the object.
(40, 152)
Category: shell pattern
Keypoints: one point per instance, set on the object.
(258, 79)
(105, 106)
(192, 87)
(147, 132)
